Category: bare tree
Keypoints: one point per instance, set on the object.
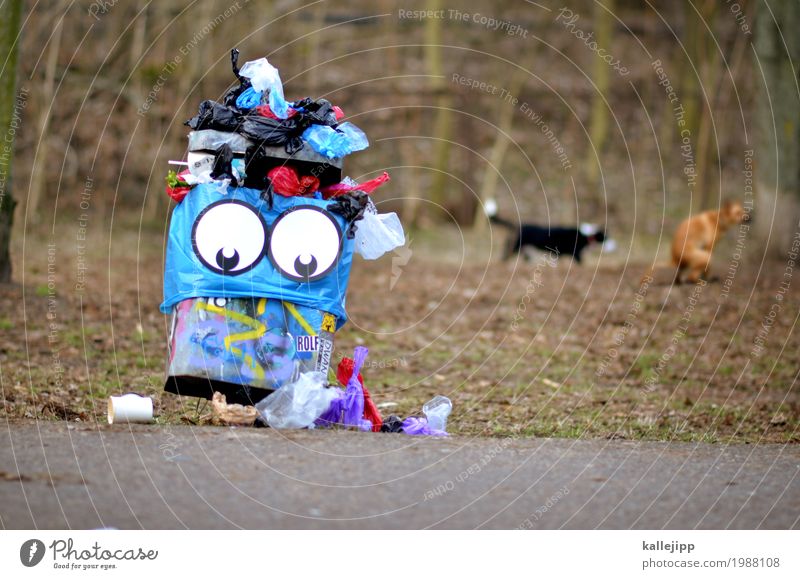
(9, 49)
(444, 117)
(47, 101)
(492, 173)
(777, 49)
(599, 121)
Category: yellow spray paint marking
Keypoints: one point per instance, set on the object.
(262, 306)
(259, 329)
(300, 319)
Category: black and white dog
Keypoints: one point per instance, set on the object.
(559, 240)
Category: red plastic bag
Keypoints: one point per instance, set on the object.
(366, 186)
(286, 182)
(265, 111)
(343, 374)
(177, 188)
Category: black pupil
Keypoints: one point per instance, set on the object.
(227, 263)
(305, 269)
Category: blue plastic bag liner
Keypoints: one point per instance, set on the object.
(265, 77)
(258, 343)
(249, 99)
(227, 242)
(333, 143)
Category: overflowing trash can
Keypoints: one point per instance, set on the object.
(258, 259)
(261, 240)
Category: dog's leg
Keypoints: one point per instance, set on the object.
(512, 246)
(699, 263)
(678, 273)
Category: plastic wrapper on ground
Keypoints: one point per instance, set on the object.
(298, 403)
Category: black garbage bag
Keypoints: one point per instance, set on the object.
(318, 112)
(256, 166)
(230, 97)
(212, 115)
(392, 424)
(274, 132)
(351, 206)
(223, 159)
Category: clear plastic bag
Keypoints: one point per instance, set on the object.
(298, 404)
(437, 410)
(210, 140)
(378, 233)
(263, 76)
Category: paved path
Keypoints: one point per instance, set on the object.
(54, 475)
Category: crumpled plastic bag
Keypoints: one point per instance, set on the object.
(348, 185)
(273, 132)
(250, 98)
(212, 115)
(298, 404)
(415, 426)
(285, 181)
(351, 206)
(336, 143)
(263, 76)
(344, 372)
(436, 410)
(347, 408)
(378, 233)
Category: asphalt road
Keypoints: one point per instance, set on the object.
(55, 475)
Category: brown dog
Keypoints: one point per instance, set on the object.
(696, 236)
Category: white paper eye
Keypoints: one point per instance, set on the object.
(229, 237)
(305, 243)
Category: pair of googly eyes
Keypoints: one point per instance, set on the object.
(230, 237)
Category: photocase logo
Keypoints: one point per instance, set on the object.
(402, 255)
(31, 552)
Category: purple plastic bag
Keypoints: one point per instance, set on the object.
(348, 408)
(415, 426)
(354, 394)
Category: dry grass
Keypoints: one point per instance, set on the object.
(566, 366)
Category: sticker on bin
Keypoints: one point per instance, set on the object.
(306, 343)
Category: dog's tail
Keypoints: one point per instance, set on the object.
(490, 207)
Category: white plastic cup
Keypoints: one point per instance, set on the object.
(130, 408)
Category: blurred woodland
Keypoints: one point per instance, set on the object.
(627, 114)
(563, 113)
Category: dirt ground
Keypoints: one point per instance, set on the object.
(524, 349)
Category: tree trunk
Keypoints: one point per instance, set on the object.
(444, 122)
(777, 151)
(412, 195)
(47, 103)
(9, 111)
(492, 173)
(599, 121)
